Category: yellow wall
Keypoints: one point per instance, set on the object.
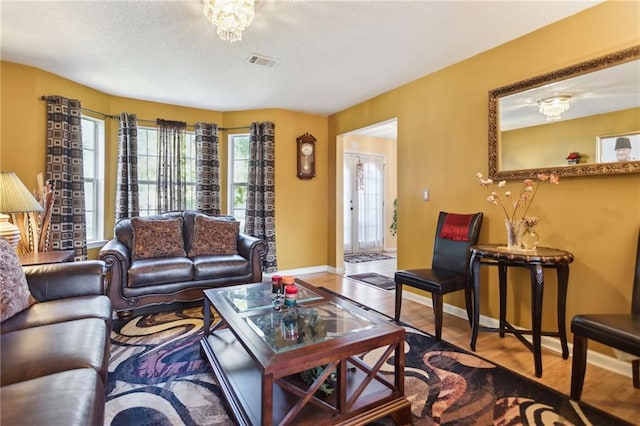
(442, 143)
(301, 225)
(548, 145)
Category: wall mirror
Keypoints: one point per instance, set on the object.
(581, 120)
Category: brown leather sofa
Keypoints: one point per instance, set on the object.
(135, 284)
(55, 354)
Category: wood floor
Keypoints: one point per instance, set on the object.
(603, 389)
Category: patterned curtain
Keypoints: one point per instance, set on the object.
(207, 168)
(261, 214)
(172, 183)
(127, 201)
(65, 168)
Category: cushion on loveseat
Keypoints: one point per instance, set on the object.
(68, 398)
(213, 236)
(153, 238)
(220, 266)
(52, 348)
(14, 291)
(158, 271)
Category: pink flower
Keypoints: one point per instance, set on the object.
(526, 194)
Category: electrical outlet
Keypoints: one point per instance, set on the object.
(425, 195)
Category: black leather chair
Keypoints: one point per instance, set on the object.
(449, 270)
(620, 331)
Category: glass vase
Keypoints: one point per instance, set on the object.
(530, 237)
(514, 234)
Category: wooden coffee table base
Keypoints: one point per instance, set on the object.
(288, 400)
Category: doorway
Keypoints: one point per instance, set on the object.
(363, 203)
(376, 140)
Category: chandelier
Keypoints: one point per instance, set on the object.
(230, 17)
(554, 107)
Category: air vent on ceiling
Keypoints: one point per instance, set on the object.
(262, 61)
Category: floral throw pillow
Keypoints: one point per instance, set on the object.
(157, 238)
(214, 236)
(14, 291)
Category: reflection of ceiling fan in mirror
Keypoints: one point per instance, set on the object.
(607, 90)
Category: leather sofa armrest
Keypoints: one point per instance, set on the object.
(118, 260)
(117, 249)
(253, 249)
(116, 252)
(69, 279)
(248, 245)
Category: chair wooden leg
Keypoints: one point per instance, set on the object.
(469, 302)
(578, 366)
(398, 300)
(635, 365)
(437, 310)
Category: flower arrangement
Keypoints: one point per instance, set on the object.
(573, 157)
(513, 203)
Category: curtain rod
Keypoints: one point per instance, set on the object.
(117, 117)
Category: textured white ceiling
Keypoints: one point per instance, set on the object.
(333, 54)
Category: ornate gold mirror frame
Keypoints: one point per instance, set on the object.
(590, 169)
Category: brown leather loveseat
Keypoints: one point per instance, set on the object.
(55, 353)
(174, 256)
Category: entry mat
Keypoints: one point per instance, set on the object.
(377, 280)
(365, 257)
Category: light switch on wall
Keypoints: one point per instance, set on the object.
(425, 195)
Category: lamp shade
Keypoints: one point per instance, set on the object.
(15, 197)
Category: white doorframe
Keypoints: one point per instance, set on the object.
(389, 131)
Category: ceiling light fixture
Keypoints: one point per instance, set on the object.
(230, 17)
(554, 107)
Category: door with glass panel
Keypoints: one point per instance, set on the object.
(363, 203)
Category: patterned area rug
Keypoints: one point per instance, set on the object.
(377, 280)
(157, 377)
(365, 257)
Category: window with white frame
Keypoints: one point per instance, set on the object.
(238, 176)
(93, 168)
(148, 169)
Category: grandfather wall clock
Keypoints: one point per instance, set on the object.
(306, 153)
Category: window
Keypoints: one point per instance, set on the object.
(238, 176)
(93, 162)
(148, 169)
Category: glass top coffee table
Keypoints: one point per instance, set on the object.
(303, 365)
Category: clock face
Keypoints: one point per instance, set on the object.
(307, 149)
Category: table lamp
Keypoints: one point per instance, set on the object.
(14, 198)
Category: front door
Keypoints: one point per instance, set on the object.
(363, 203)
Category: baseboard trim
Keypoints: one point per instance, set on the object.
(302, 271)
(594, 358)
